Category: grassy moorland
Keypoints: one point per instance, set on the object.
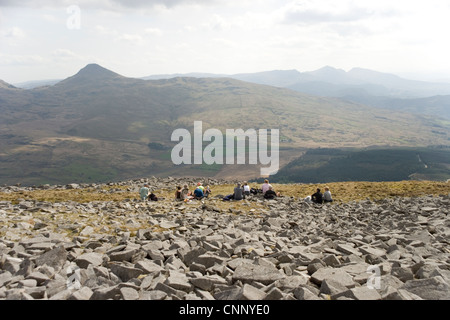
(342, 191)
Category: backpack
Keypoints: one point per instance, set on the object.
(153, 197)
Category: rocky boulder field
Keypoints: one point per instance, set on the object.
(115, 246)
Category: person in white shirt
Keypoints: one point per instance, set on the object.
(327, 195)
(246, 189)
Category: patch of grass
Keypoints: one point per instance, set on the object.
(341, 191)
(77, 195)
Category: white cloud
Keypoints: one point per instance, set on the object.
(64, 54)
(50, 18)
(21, 60)
(216, 22)
(153, 32)
(102, 30)
(13, 32)
(190, 28)
(308, 11)
(131, 38)
(225, 42)
(113, 5)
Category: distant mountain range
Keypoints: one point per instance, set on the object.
(36, 83)
(332, 82)
(372, 88)
(98, 125)
(359, 85)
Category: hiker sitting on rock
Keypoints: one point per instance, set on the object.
(143, 192)
(271, 194)
(178, 194)
(265, 186)
(246, 189)
(186, 194)
(327, 195)
(238, 192)
(317, 197)
(199, 185)
(207, 191)
(198, 193)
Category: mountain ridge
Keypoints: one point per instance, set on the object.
(360, 85)
(356, 73)
(98, 125)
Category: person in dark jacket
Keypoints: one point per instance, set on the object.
(178, 195)
(270, 194)
(317, 197)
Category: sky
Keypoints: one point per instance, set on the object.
(44, 39)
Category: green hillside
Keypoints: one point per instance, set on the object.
(386, 164)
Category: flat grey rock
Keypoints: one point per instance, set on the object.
(91, 258)
(332, 287)
(148, 266)
(129, 293)
(336, 274)
(54, 258)
(105, 293)
(179, 281)
(207, 283)
(359, 293)
(261, 273)
(251, 293)
(348, 249)
(434, 288)
(84, 293)
(125, 255)
(304, 293)
(153, 295)
(125, 272)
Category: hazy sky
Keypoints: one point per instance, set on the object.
(44, 39)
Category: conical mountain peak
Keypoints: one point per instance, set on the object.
(91, 74)
(96, 71)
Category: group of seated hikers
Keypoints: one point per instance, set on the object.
(185, 194)
(239, 193)
(319, 197)
(243, 190)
